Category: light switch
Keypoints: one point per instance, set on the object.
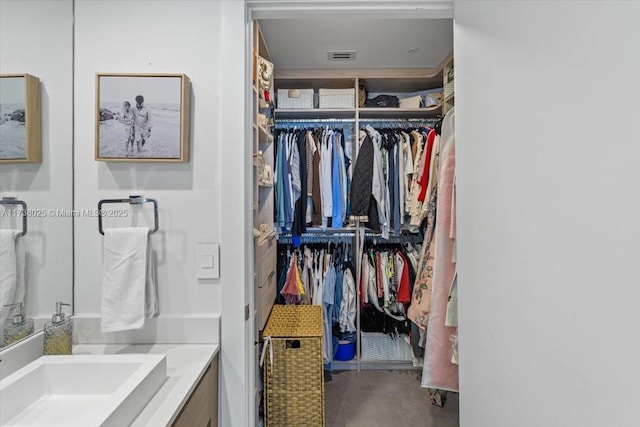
(208, 261)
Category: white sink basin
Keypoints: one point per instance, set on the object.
(81, 390)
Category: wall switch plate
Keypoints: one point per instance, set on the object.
(208, 261)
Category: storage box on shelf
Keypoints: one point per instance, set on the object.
(418, 93)
(337, 98)
(295, 98)
(323, 96)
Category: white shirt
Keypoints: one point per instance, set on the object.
(325, 177)
(379, 190)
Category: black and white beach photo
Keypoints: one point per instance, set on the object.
(13, 131)
(142, 117)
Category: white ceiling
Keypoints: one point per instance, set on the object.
(380, 43)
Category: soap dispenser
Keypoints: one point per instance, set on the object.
(19, 328)
(57, 333)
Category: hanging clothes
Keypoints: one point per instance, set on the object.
(326, 183)
(362, 201)
(300, 206)
(379, 187)
(389, 176)
(293, 283)
(282, 177)
(348, 306)
(310, 150)
(439, 372)
(337, 181)
(407, 165)
(316, 193)
(312, 179)
(321, 275)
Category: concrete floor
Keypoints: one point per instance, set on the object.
(374, 398)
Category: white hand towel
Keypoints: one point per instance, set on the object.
(128, 286)
(12, 264)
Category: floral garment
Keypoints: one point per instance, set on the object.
(418, 312)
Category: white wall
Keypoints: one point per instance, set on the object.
(163, 37)
(548, 101)
(237, 239)
(45, 51)
(200, 201)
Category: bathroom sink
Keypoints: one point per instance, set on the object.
(81, 390)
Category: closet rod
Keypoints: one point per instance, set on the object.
(415, 119)
(317, 239)
(286, 121)
(323, 235)
(312, 231)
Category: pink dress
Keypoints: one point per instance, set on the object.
(439, 372)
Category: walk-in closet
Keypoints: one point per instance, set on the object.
(354, 212)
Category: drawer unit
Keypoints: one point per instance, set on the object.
(265, 259)
(265, 298)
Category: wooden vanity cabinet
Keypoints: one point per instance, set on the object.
(201, 409)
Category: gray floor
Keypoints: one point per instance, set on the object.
(384, 398)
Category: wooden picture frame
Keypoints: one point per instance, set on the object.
(20, 119)
(142, 117)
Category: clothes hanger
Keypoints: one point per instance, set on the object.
(438, 125)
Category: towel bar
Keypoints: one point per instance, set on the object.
(15, 201)
(132, 200)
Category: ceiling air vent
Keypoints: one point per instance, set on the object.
(342, 55)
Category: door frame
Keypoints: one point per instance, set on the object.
(294, 9)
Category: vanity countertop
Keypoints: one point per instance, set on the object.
(186, 363)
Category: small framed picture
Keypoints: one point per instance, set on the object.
(142, 117)
(20, 126)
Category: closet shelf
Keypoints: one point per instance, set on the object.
(264, 135)
(315, 113)
(374, 113)
(450, 98)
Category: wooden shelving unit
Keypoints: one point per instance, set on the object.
(395, 82)
(448, 84)
(315, 113)
(264, 251)
(399, 113)
(392, 81)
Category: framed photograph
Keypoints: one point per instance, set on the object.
(142, 117)
(20, 126)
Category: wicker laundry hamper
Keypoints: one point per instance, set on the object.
(294, 376)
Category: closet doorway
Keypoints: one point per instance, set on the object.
(317, 62)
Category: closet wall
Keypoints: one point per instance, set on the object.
(548, 212)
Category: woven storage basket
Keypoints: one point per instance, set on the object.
(294, 379)
(337, 98)
(304, 101)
